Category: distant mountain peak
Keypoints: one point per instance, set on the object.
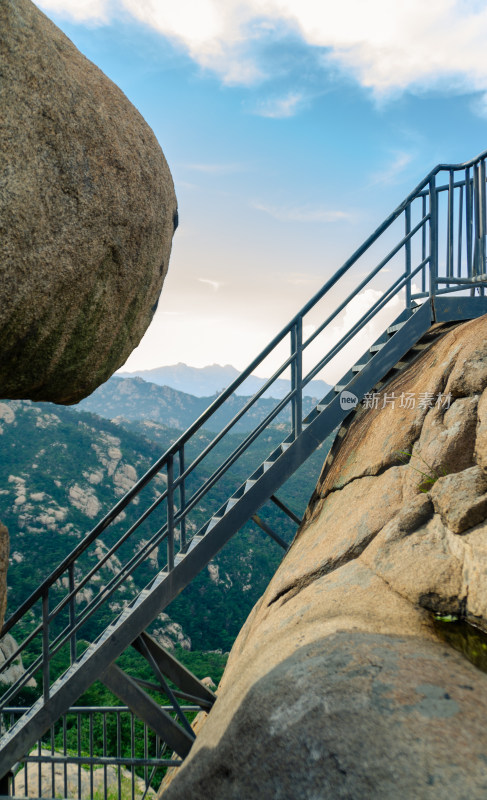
(212, 379)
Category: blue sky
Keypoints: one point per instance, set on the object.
(291, 127)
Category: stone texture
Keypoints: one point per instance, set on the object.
(87, 213)
(350, 716)
(70, 788)
(8, 646)
(338, 685)
(461, 499)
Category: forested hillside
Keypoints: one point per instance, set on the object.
(135, 399)
(61, 470)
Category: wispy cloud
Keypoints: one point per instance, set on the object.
(300, 278)
(386, 47)
(302, 213)
(393, 170)
(215, 285)
(280, 107)
(216, 169)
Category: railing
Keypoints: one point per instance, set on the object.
(433, 243)
(93, 752)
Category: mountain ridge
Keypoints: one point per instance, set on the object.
(212, 379)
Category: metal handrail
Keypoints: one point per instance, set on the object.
(471, 188)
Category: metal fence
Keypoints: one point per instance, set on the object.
(93, 753)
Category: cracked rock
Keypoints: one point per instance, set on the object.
(461, 499)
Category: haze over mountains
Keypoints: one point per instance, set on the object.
(208, 381)
(136, 398)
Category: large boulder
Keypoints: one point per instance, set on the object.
(340, 684)
(87, 214)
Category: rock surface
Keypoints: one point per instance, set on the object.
(87, 214)
(77, 783)
(8, 646)
(338, 685)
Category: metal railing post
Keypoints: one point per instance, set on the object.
(433, 202)
(477, 221)
(182, 499)
(407, 253)
(449, 244)
(423, 243)
(297, 377)
(72, 614)
(482, 222)
(45, 645)
(170, 512)
(460, 232)
(468, 221)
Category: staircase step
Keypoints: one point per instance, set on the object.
(231, 503)
(358, 367)
(401, 365)
(340, 387)
(396, 327)
(194, 542)
(376, 347)
(213, 521)
(249, 484)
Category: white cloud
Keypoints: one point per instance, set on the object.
(79, 10)
(280, 107)
(386, 46)
(393, 170)
(215, 285)
(302, 213)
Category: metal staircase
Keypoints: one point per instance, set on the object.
(426, 264)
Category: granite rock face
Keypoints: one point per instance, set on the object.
(87, 214)
(339, 685)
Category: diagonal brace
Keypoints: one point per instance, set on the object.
(173, 669)
(146, 709)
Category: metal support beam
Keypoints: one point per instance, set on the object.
(263, 526)
(165, 687)
(173, 669)
(284, 508)
(144, 707)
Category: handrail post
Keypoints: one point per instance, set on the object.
(170, 512)
(433, 198)
(460, 231)
(482, 222)
(407, 231)
(450, 223)
(182, 498)
(72, 613)
(477, 222)
(45, 645)
(468, 221)
(297, 377)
